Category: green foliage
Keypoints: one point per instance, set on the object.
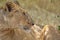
(58, 27)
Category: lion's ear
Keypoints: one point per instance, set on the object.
(12, 6)
(8, 5)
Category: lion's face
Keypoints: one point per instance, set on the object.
(16, 17)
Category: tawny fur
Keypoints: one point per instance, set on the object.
(13, 17)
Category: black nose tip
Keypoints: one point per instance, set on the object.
(32, 23)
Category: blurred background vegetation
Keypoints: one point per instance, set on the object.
(43, 12)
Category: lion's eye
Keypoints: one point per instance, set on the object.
(24, 13)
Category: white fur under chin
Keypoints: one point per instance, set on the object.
(36, 30)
